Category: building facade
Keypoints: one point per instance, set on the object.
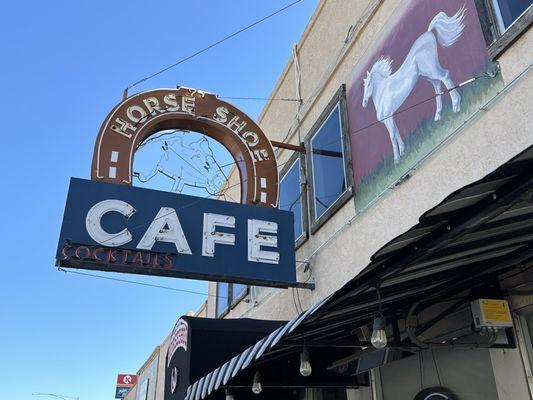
(401, 104)
(394, 106)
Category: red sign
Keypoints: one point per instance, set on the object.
(126, 380)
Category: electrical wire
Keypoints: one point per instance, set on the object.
(467, 82)
(138, 283)
(258, 98)
(483, 108)
(327, 241)
(239, 183)
(433, 97)
(352, 33)
(177, 209)
(298, 311)
(203, 50)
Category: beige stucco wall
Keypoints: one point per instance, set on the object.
(132, 394)
(202, 312)
(492, 138)
(489, 140)
(161, 367)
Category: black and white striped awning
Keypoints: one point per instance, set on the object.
(477, 233)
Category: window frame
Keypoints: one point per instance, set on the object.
(299, 157)
(339, 99)
(226, 309)
(236, 300)
(231, 302)
(525, 344)
(497, 40)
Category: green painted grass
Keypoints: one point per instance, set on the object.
(426, 137)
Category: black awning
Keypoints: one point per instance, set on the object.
(199, 345)
(477, 233)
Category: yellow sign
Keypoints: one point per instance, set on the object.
(495, 311)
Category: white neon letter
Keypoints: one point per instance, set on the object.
(165, 227)
(93, 222)
(257, 238)
(211, 236)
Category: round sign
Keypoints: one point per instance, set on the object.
(174, 380)
(137, 117)
(435, 393)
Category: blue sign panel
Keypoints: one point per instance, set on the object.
(121, 392)
(122, 228)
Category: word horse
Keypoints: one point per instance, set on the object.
(389, 91)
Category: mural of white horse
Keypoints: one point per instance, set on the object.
(389, 90)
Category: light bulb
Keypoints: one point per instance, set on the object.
(305, 363)
(256, 387)
(229, 396)
(379, 337)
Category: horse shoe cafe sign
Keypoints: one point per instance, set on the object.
(110, 225)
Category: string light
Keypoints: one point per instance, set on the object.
(229, 395)
(379, 336)
(256, 386)
(305, 363)
(203, 50)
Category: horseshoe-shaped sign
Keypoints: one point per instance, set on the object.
(138, 117)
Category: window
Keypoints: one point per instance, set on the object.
(525, 323)
(503, 21)
(333, 394)
(238, 292)
(508, 11)
(222, 298)
(292, 196)
(328, 163)
(329, 159)
(228, 295)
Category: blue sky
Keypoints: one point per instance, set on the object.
(64, 66)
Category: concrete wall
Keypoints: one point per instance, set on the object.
(132, 394)
(147, 377)
(339, 250)
(161, 367)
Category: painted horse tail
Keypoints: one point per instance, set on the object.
(448, 29)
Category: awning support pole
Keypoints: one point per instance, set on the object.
(287, 146)
(304, 285)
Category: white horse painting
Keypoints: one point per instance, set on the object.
(389, 90)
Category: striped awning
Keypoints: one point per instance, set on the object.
(477, 233)
(222, 375)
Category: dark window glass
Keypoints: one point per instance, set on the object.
(238, 290)
(290, 198)
(334, 394)
(222, 298)
(510, 10)
(327, 161)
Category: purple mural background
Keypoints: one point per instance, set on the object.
(466, 58)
